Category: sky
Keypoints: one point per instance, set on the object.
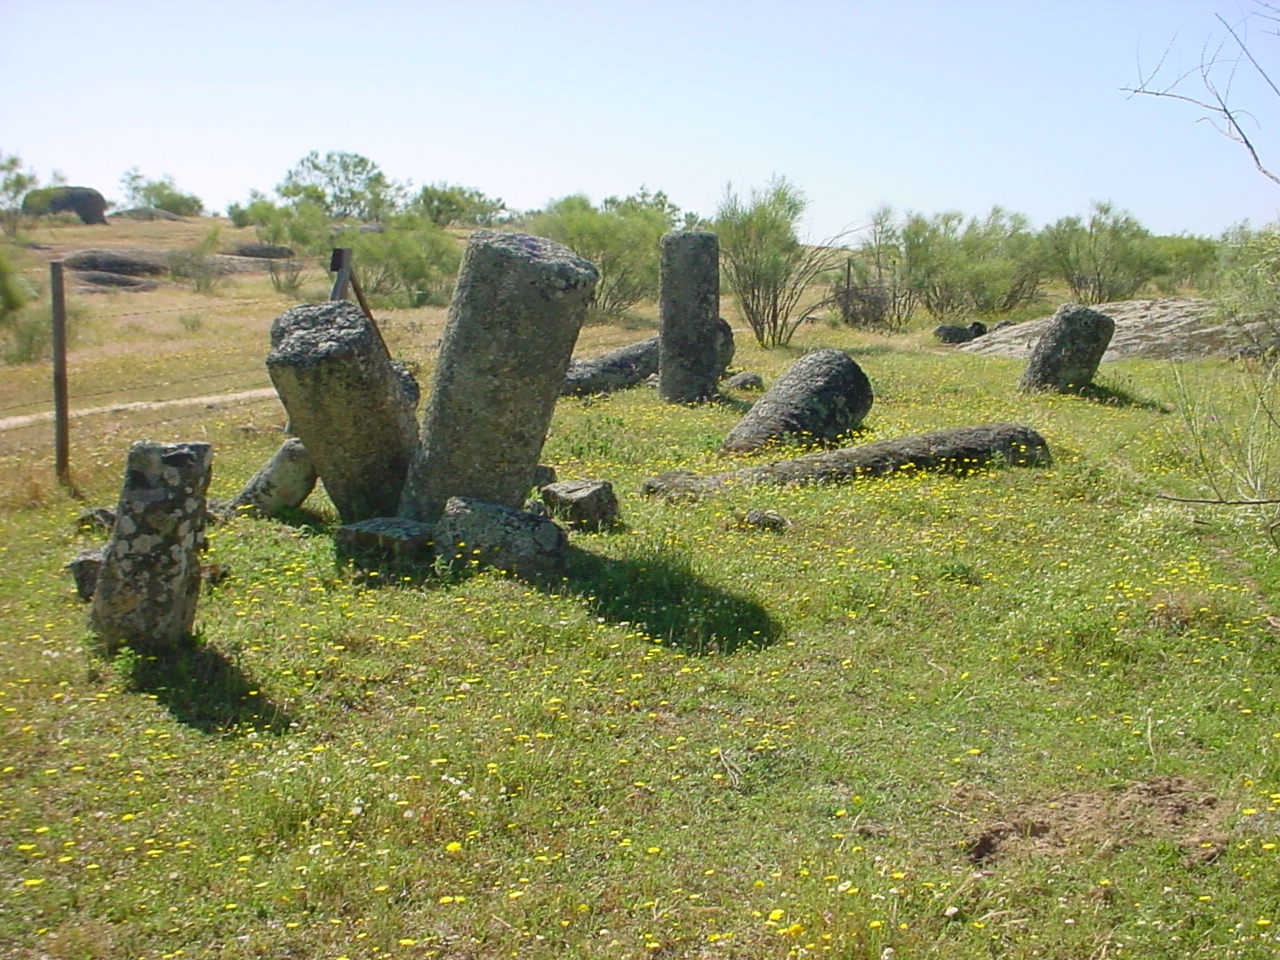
(928, 106)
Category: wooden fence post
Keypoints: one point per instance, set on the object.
(61, 406)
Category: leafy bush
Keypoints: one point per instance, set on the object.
(343, 185)
(14, 184)
(447, 204)
(163, 194)
(1110, 256)
(768, 268)
(1248, 283)
(621, 237)
(199, 265)
(409, 263)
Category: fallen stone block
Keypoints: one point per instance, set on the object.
(583, 504)
(615, 370)
(958, 449)
(385, 540)
(283, 483)
(822, 395)
(85, 567)
(511, 541)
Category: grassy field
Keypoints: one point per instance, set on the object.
(1023, 713)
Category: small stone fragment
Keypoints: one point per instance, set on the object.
(85, 567)
(745, 381)
(583, 504)
(379, 540)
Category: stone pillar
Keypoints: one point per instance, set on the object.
(517, 307)
(283, 483)
(1067, 355)
(150, 576)
(346, 402)
(689, 308)
(822, 395)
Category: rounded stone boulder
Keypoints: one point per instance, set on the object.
(1066, 357)
(822, 395)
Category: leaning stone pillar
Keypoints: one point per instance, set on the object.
(283, 483)
(150, 576)
(1067, 355)
(689, 309)
(517, 307)
(346, 402)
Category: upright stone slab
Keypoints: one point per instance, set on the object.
(822, 395)
(690, 346)
(150, 576)
(1066, 356)
(517, 307)
(347, 402)
(283, 483)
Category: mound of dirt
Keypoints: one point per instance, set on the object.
(1169, 328)
(1164, 807)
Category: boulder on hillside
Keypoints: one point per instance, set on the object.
(130, 261)
(147, 213)
(264, 251)
(85, 202)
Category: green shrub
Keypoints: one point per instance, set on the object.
(163, 194)
(621, 237)
(447, 204)
(410, 262)
(199, 265)
(768, 268)
(1248, 282)
(1110, 256)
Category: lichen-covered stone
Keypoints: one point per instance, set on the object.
(85, 567)
(517, 307)
(583, 504)
(150, 577)
(283, 483)
(822, 395)
(745, 381)
(513, 541)
(615, 370)
(347, 403)
(85, 202)
(1066, 357)
(959, 449)
(691, 346)
(385, 540)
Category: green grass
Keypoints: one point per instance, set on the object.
(1025, 713)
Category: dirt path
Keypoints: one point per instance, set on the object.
(26, 420)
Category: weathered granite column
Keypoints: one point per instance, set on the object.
(347, 403)
(689, 308)
(1067, 355)
(517, 307)
(150, 577)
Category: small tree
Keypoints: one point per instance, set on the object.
(343, 185)
(14, 185)
(162, 194)
(620, 237)
(767, 267)
(409, 263)
(1110, 256)
(448, 204)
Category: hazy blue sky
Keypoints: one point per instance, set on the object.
(928, 105)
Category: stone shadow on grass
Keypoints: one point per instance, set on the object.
(1117, 397)
(204, 689)
(662, 596)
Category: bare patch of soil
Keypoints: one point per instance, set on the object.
(1168, 808)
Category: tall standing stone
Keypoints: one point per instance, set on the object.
(689, 308)
(517, 307)
(347, 402)
(150, 576)
(1067, 355)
